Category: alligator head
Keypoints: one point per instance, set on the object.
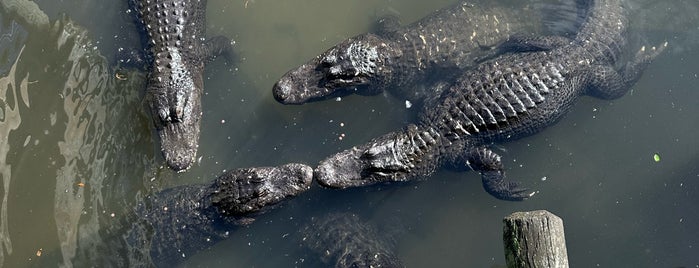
(247, 191)
(357, 65)
(174, 98)
(396, 156)
(180, 221)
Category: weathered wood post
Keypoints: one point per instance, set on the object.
(534, 239)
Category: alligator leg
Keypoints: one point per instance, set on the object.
(387, 25)
(489, 165)
(644, 56)
(217, 46)
(524, 43)
(608, 83)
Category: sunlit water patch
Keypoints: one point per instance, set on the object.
(77, 154)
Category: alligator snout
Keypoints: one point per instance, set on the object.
(300, 85)
(342, 170)
(282, 91)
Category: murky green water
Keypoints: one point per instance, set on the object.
(77, 151)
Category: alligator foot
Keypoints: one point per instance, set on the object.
(488, 164)
(644, 56)
(218, 46)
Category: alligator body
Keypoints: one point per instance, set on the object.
(343, 240)
(529, 85)
(177, 50)
(398, 58)
(180, 221)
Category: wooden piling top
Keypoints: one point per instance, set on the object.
(534, 239)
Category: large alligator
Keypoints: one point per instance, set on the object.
(398, 58)
(175, 33)
(528, 86)
(343, 240)
(177, 222)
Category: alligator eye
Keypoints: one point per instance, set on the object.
(163, 114)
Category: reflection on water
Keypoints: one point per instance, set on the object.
(77, 152)
(9, 121)
(92, 101)
(80, 127)
(12, 38)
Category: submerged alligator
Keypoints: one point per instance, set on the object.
(345, 240)
(398, 58)
(529, 85)
(175, 33)
(180, 221)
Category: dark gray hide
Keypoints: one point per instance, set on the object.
(399, 58)
(529, 86)
(343, 240)
(178, 51)
(178, 222)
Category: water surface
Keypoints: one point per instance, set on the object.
(77, 151)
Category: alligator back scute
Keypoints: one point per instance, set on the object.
(434, 48)
(530, 85)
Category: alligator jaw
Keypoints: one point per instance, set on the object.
(178, 142)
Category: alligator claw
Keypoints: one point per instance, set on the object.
(492, 172)
(495, 185)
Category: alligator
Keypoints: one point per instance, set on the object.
(396, 58)
(344, 240)
(177, 222)
(527, 86)
(178, 50)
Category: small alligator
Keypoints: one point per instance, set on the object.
(529, 85)
(398, 58)
(175, 33)
(186, 219)
(346, 241)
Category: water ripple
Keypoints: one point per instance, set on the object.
(10, 122)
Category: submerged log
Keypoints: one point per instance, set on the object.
(534, 239)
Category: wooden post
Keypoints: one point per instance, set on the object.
(534, 239)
